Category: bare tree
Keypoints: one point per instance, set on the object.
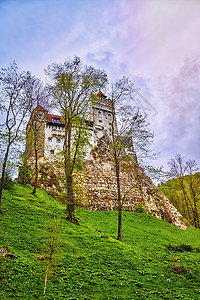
(178, 169)
(72, 86)
(132, 132)
(15, 106)
(52, 245)
(193, 183)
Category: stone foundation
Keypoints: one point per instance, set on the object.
(96, 188)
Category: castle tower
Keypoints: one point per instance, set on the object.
(35, 132)
(102, 116)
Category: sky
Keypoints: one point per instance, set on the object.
(155, 43)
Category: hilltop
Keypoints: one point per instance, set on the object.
(89, 263)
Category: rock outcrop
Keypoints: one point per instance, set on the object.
(96, 188)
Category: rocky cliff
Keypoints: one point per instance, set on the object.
(96, 189)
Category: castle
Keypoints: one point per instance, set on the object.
(52, 128)
(97, 181)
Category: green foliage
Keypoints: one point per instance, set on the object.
(73, 86)
(139, 208)
(174, 193)
(24, 171)
(180, 248)
(8, 182)
(93, 264)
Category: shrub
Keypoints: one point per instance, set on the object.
(139, 207)
(24, 171)
(8, 182)
(180, 248)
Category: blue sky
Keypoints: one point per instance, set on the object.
(155, 43)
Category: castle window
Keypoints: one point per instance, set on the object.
(51, 152)
(56, 120)
(102, 128)
(109, 115)
(58, 140)
(49, 139)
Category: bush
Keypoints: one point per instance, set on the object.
(180, 248)
(24, 171)
(139, 207)
(8, 182)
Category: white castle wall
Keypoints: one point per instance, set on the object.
(54, 139)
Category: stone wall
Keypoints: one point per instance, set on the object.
(96, 188)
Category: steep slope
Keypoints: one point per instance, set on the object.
(89, 263)
(96, 188)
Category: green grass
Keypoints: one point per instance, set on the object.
(89, 262)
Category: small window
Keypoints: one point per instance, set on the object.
(56, 120)
(100, 121)
(39, 117)
(102, 128)
(50, 139)
(51, 152)
(58, 140)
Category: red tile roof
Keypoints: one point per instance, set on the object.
(100, 93)
(50, 118)
(39, 107)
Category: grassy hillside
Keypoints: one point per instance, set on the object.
(89, 263)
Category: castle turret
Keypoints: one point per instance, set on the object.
(35, 132)
(101, 115)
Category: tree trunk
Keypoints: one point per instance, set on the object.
(195, 210)
(119, 201)
(3, 175)
(185, 198)
(36, 168)
(117, 172)
(70, 200)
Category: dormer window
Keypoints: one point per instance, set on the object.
(49, 139)
(58, 140)
(56, 120)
